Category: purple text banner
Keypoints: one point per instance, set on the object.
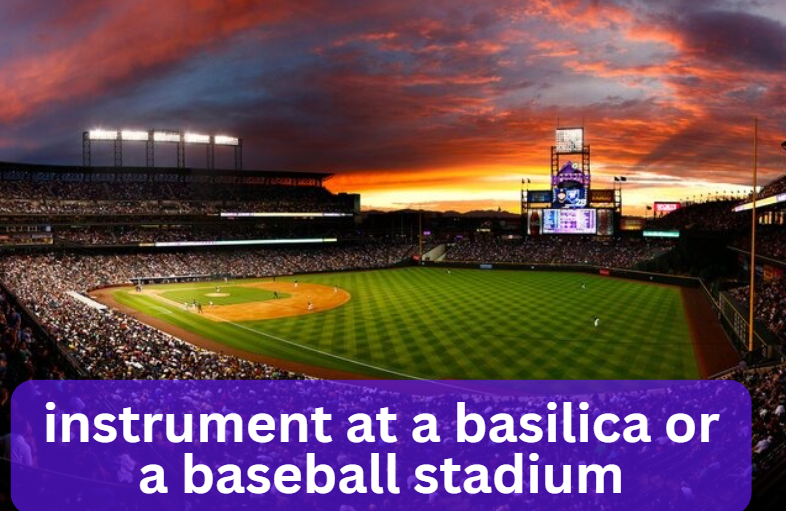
(344, 446)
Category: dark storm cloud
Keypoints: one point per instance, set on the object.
(408, 95)
(737, 38)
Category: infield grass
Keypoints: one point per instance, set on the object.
(469, 324)
(234, 294)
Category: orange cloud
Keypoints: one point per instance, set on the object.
(132, 38)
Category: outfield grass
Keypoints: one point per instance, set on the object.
(470, 324)
(187, 293)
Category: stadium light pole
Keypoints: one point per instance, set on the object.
(753, 234)
(619, 180)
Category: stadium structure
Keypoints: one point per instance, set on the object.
(179, 272)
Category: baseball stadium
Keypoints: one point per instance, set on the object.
(269, 269)
(463, 212)
(154, 272)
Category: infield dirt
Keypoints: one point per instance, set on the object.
(321, 297)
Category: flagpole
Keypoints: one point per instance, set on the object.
(753, 234)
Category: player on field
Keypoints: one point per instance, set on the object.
(275, 295)
(199, 308)
(185, 305)
(335, 288)
(295, 283)
(211, 304)
(583, 285)
(596, 320)
(310, 305)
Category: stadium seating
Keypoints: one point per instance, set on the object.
(770, 305)
(618, 253)
(713, 215)
(114, 345)
(59, 198)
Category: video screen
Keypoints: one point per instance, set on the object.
(540, 196)
(569, 221)
(575, 197)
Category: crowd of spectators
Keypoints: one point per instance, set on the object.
(770, 242)
(110, 344)
(768, 397)
(616, 253)
(96, 198)
(770, 304)
(713, 215)
(134, 235)
(773, 188)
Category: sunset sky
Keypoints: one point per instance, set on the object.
(435, 104)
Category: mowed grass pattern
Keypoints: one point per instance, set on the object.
(472, 324)
(237, 294)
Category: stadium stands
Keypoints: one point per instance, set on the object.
(714, 215)
(770, 305)
(773, 188)
(768, 396)
(134, 234)
(52, 190)
(770, 242)
(113, 345)
(45, 198)
(618, 253)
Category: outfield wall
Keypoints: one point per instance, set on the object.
(735, 319)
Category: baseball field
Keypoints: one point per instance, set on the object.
(434, 323)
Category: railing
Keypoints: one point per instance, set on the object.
(735, 320)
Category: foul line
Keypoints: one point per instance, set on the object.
(325, 353)
(357, 362)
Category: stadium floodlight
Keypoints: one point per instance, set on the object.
(100, 134)
(166, 136)
(225, 140)
(196, 138)
(132, 135)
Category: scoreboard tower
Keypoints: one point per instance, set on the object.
(571, 179)
(571, 205)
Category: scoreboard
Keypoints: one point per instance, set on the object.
(569, 221)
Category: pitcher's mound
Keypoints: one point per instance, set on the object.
(320, 297)
(217, 295)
